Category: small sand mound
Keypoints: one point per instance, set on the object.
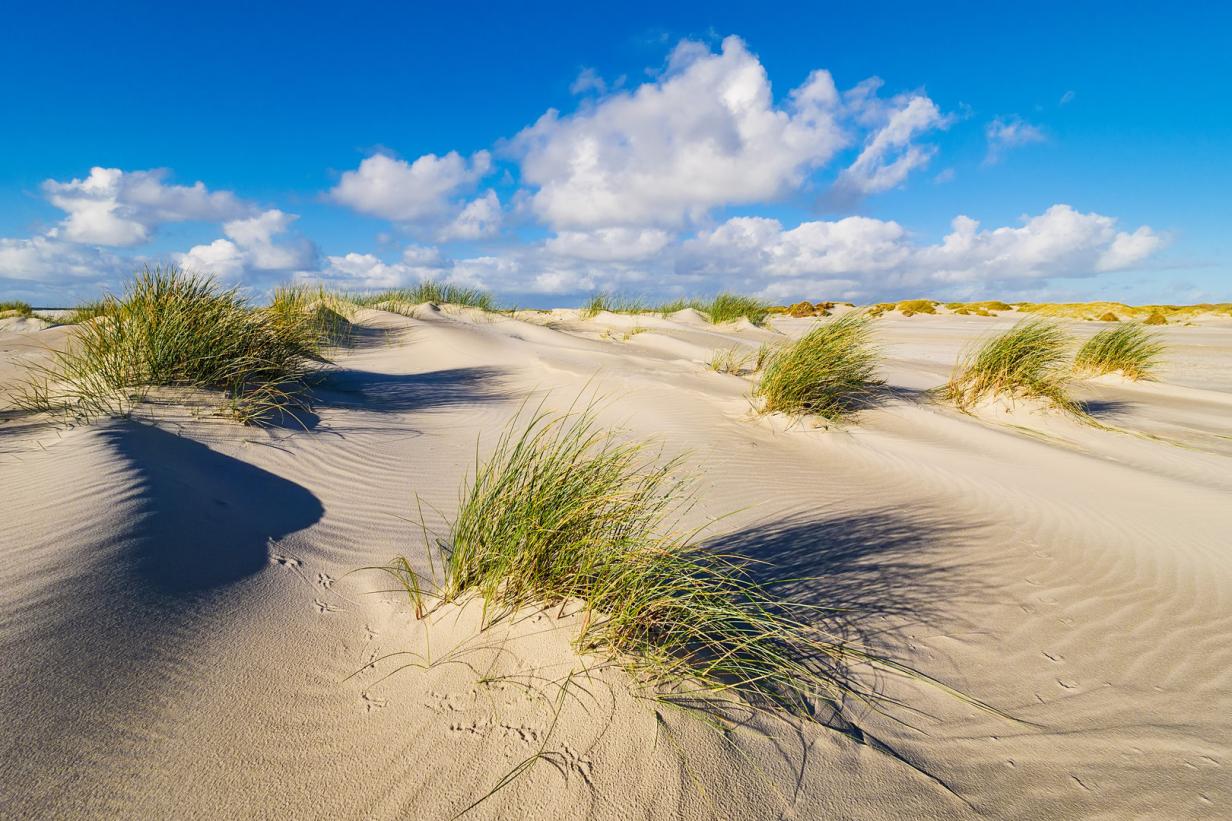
(23, 324)
(689, 316)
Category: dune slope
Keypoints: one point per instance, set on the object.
(190, 632)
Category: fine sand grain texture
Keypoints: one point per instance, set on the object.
(187, 630)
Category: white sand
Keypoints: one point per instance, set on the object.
(180, 611)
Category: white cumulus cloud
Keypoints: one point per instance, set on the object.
(618, 243)
(706, 134)
(368, 271)
(251, 250)
(115, 207)
(49, 260)
(421, 191)
(481, 217)
(872, 256)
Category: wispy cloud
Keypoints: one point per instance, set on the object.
(1005, 133)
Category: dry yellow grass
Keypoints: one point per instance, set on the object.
(1087, 310)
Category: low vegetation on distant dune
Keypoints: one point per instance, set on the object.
(830, 371)
(440, 293)
(979, 308)
(1028, 361)
(722, 308)
(910, 307)
(20, 309)
(1094, 310)
(172, 329)
(730, 307)
(566, 515)
(1128, 349)
(804, 309)
(610, 303)
(907, 307)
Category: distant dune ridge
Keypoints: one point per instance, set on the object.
(196, 624)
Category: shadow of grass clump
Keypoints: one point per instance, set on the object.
(398, 393)
(565, 514)
(172, 329)
(854, 568)
(205, 520)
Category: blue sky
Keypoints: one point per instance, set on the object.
(1069, 150)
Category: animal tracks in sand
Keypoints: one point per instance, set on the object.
(325, 607)
(469, 719)
(567, 761)
(289, 562)
(372, 703)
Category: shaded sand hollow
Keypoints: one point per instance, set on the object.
(186, 633)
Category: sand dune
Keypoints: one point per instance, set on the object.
(189, 632)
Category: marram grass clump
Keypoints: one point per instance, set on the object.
(1130, 349)
(176, 330)
(12, 308)
(830, 371)
(730, 307)
(722, 308)
(730, 360)
(1028, 361)
(439, 293)
(614, 303)
(911, 307)
(565, 514)
(327, 312)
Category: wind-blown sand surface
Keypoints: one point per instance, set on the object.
(180, 616)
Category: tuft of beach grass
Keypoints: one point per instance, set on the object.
(327, 312)
(1028, 361)
(173, 329)
(15, 308)
(730, 307)
(566, 514)
(723, 308)
(830, 371)
(439, 293)
(1130, 349)
(729, 360)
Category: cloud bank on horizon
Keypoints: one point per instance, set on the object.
(659, 190)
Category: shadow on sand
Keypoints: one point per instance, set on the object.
(400, 393)
(119, 628)
(868, 575)
(862, 567)
(205, 519)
